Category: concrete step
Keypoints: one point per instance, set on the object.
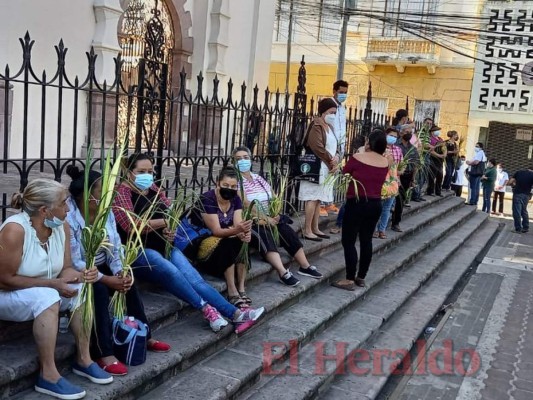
(190, 336)
(402, 331)
(359, 324)
(232, 370)
(260, 271)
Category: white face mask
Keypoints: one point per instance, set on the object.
(477, 149)
(330, 119)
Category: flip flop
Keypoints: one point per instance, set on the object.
(323, 236)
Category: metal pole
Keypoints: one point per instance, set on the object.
(342, 52)
(289, 43)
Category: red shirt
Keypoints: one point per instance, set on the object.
(369, 179)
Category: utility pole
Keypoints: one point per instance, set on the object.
(289, 44)
(348, 5)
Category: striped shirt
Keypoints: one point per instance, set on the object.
(258, 189)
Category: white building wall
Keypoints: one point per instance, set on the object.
(229, 40)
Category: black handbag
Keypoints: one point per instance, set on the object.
(478, 169)
(308, 163)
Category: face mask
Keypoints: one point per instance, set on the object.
(391, 139)
(342, 97)
(330, 119)
(407, 136)
(144, 181)
(244, 165)
(477, 149)
(499, 169)
(53, 223)
(461, 162)
(436, 133)
(227, 193)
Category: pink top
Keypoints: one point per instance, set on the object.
(369, 179)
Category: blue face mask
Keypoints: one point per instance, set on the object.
(342, 97)
(391, 139)
(144, 181)
(244, 165)
(436, 133)
(53, 223)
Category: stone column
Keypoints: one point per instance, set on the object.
(6, 112)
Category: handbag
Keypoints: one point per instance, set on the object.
(189, 236)
(307, 163)
(478, 169)
(129, 343)
(391, 186)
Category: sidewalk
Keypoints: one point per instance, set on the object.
(491, 329)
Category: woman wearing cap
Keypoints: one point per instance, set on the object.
(322, 142)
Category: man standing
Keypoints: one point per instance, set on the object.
(425, 148)
(502, 179)
(522, 182)
(340, 93)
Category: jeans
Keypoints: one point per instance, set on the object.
(340, 216)
(487, 192)
(498, 196)
(181, 279)
(386, 207)
(450, 172)
(520, 202)
(475, 183)
(360, 219)
(102, 333)
(420, 182)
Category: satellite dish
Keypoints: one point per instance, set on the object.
(527, 74)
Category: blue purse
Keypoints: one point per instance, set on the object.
(189, 236)
(130, 343)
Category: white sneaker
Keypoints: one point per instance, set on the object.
(216, 321)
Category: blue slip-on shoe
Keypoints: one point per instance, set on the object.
(62, 389)
(93, 372)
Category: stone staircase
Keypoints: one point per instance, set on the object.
(410, 277)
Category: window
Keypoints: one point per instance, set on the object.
(398, 12)
(427, 108)
(379, 105)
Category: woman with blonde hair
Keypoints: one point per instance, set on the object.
(37, 281)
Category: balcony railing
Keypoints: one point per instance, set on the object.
(401, 53)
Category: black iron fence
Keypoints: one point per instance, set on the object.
(48, 120)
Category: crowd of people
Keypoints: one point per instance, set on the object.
(43, 259)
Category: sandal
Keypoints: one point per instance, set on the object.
(375, 235)
(382, 235)
(245, 298)
(237, 301)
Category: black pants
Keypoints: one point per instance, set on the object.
(222, 257)
(450, 173)
(406, 179)
(435, 177)
(498, 196)
(458, 189)
(102, 334)
(360, 218)
(263, 239)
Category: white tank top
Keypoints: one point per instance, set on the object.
(36, 261)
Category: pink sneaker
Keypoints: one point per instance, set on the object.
(216, 321)
(247, 319)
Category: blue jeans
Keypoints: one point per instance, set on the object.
(450, 172)
(475, 183)
(386, 206)
(520, 202)
(181, 279)
(487, 193)
(340, 215)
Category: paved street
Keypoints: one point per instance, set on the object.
(492, 318)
